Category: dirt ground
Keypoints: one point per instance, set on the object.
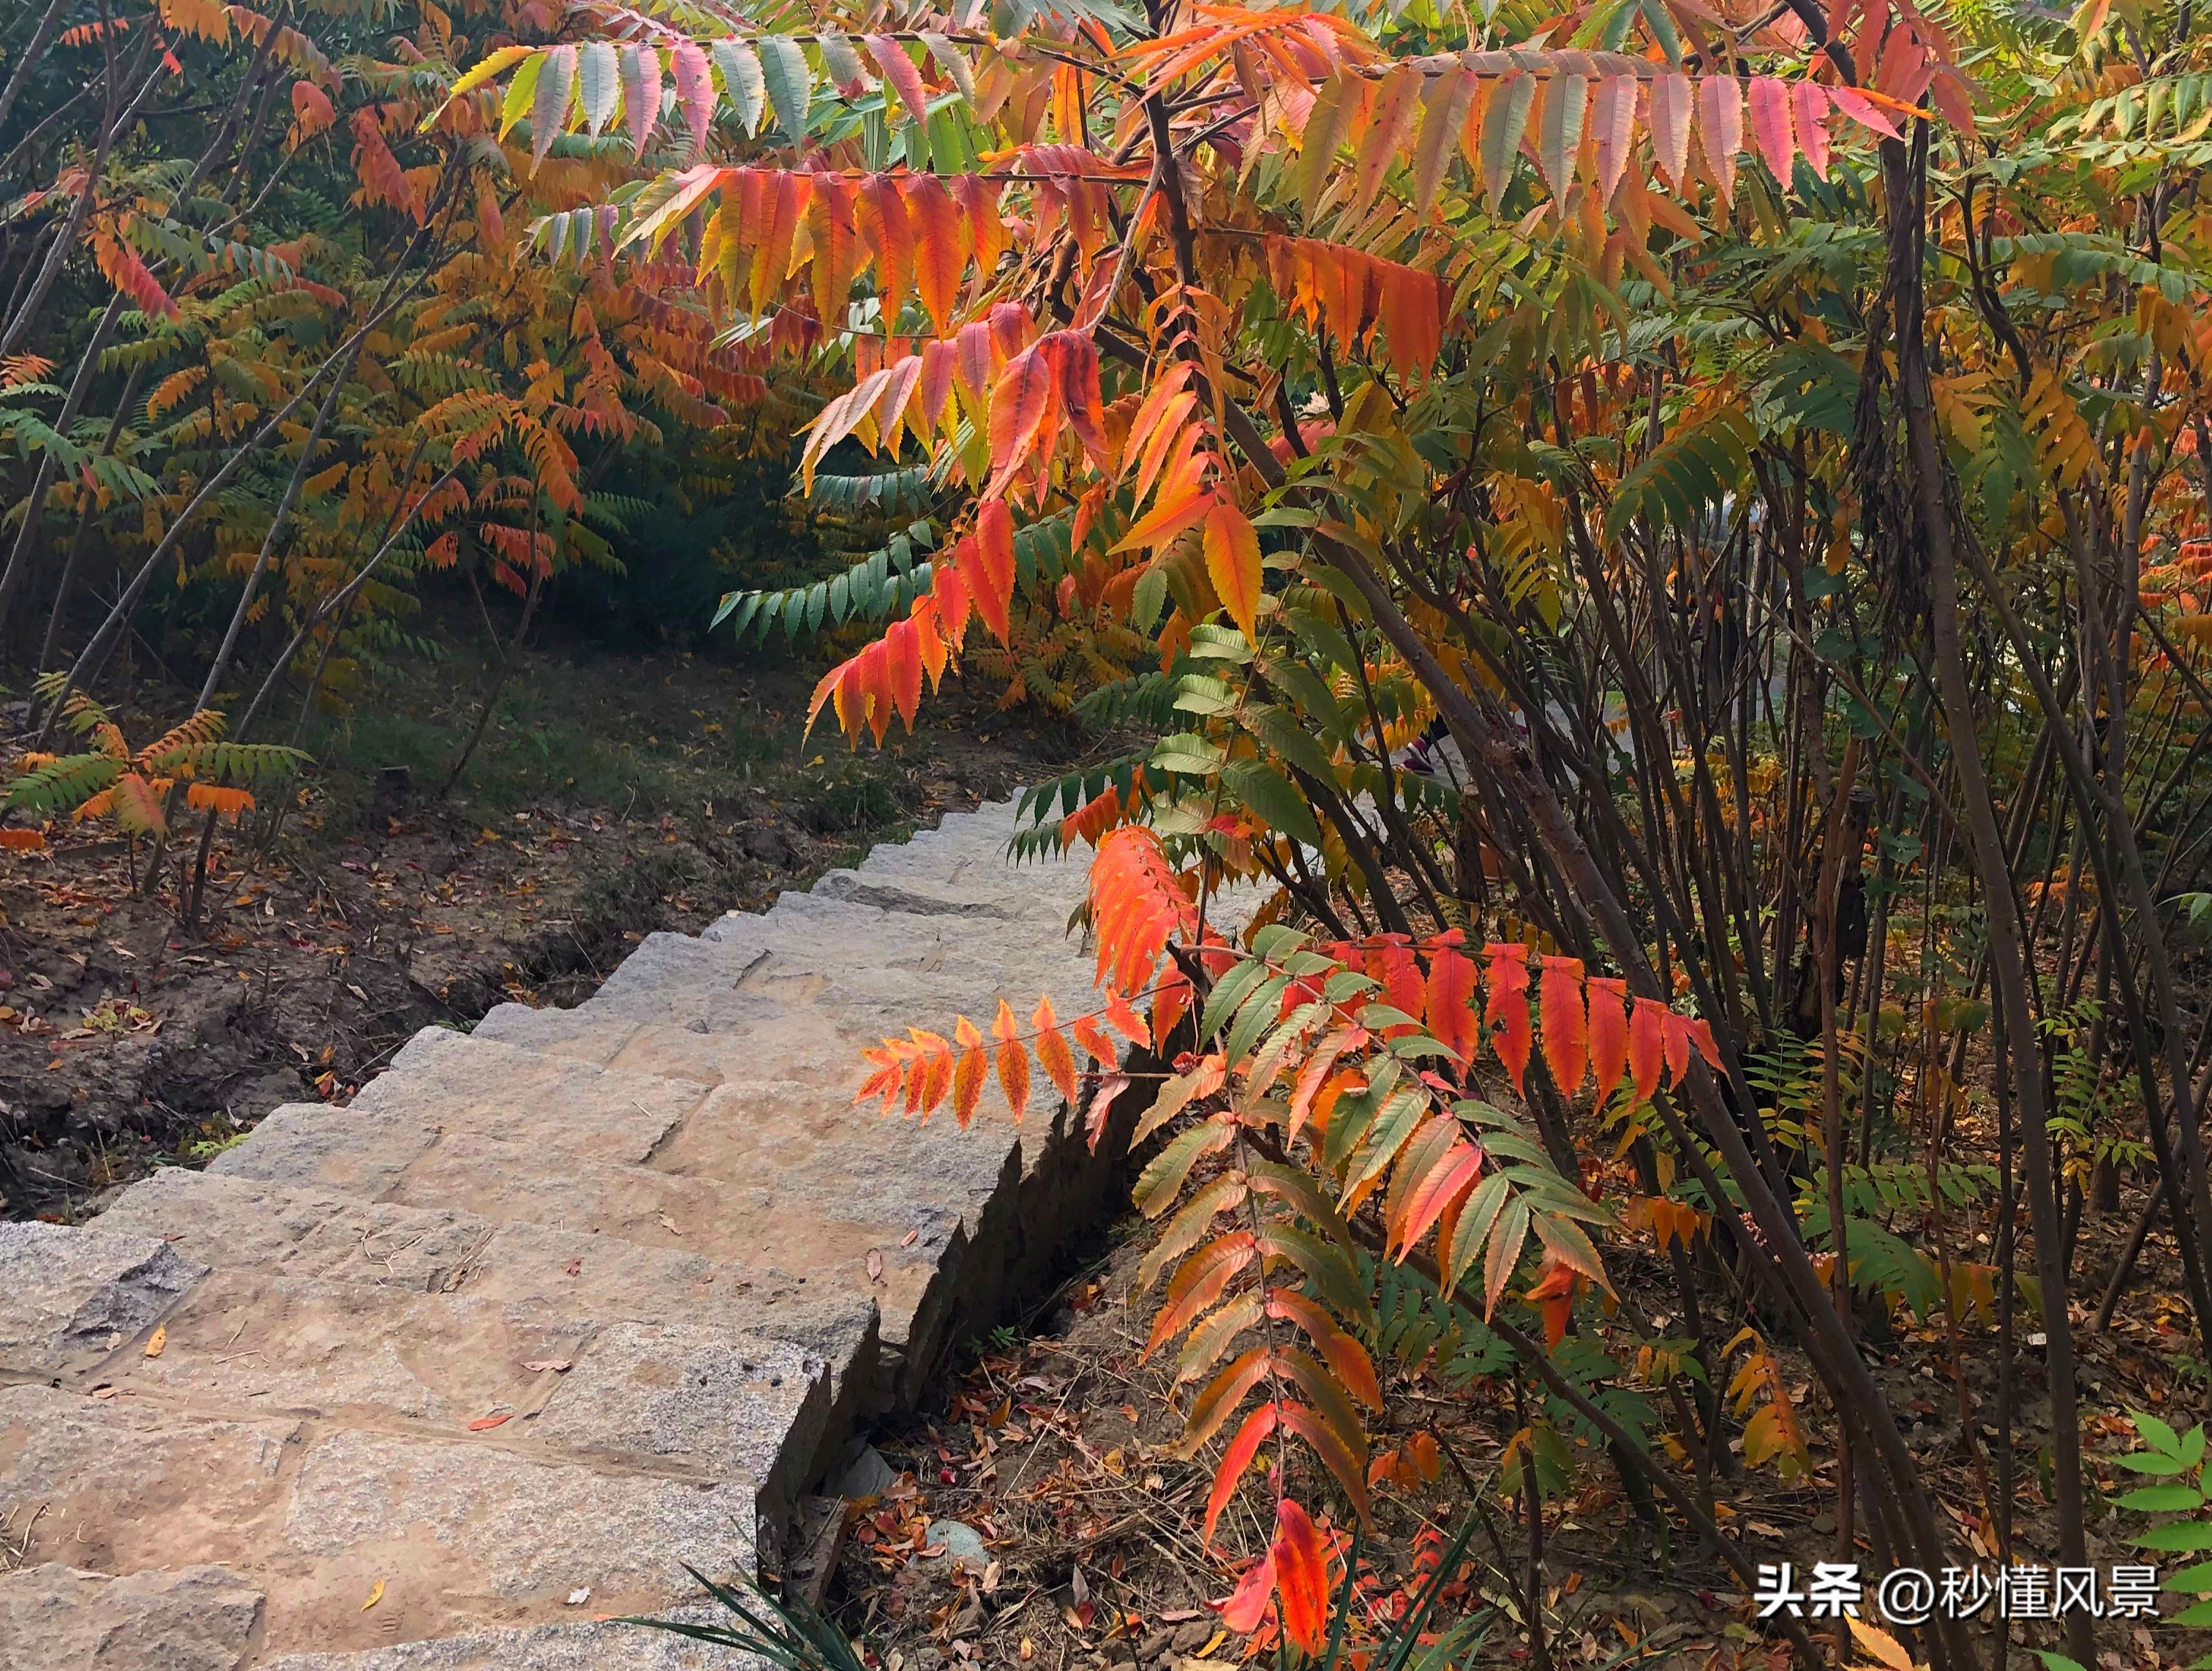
(615, 797)
(1059, 1445)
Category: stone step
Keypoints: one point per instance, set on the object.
(666, 1190)
(464, 1535)
(245, 1223)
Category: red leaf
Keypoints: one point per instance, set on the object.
(1608, 1031)
(1812, 121)
(694, 91)
(1234, 1461)
(994, 556)
(903, 650)
(1720, 130)
(1647, 1049)
(1023, 416)
(1244, 1611)
(1450, 1012)
(1566, 1029)
(1508, 1013)
(1301, 1564)
(1676, 1032)
(120, 265)
(1771, 124)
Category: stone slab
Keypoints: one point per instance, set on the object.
(57, 1618)
(68, 1295)
(464, 1534)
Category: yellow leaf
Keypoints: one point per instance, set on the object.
(1883, 1645)
(375, 1595)
(159, 1339)
(1232, 563)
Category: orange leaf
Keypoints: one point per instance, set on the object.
(1566, 1028)
(1347, 1359)
(978, 206)
(1198, 1283)
(1013, 1061)
(1052, 1051)
(22, 841)
(902, 660)
(1232, 563)
(1301, 1565)
(885, 226)
(1608, 1031)
(936, 247)
(1093, 1038)
(1126, 1021)
(969, 1075)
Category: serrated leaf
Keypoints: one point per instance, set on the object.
(598, 84)
(741, 80)
(789, 80)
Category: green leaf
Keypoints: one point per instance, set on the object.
(1253, 1016)
(2183, 1537)
(741, 80)
(2191, 1580)
(790, 83)
(2161, 1499)
(2150, 1461)
(1228, 992)
(2195, 1617)
(1265, 791)
(2156, 1433)
(598, 84)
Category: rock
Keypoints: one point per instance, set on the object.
(866, 1474)
(1191, 1637)
(54, 1617)
(963, 1544)
(1154, 1642)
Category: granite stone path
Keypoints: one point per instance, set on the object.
(442, 1379)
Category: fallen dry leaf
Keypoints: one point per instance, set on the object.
(558, 1365)
(1028, 1651)
(875, 1265)
(161, 1339)
(483, 1422)
(578, 1597)
(669, 1225)
(910, 1238)
(375, 1595)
